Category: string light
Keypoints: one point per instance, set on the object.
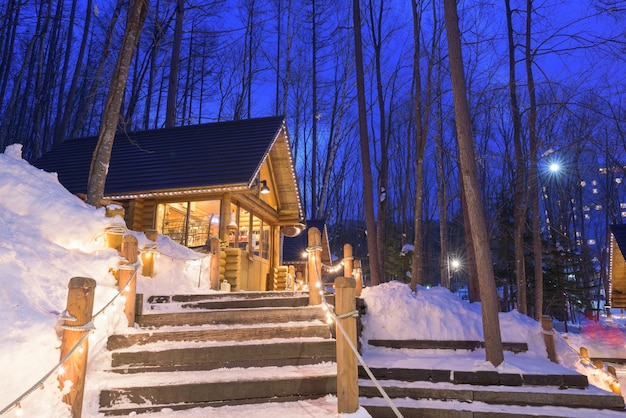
(61, 371)
(18, 410)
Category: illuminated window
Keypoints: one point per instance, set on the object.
(189, 223)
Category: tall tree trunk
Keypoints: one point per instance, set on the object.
(376, 27)
(314, 203)
(102, 154)
(368, 192)
(469, 179)
(534, 172)
(519, 211)
(172, 87)
(97, 77)
(68, 107)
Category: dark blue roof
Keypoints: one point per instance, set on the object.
(619, 232)
(194, 156)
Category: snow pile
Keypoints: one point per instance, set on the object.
(394, 312)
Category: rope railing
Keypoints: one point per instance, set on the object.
(330, 314)
(58, 368)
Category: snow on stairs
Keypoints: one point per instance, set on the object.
(220, 349)
(484, 394)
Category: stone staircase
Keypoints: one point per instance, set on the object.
(438, 393)
(221, 349)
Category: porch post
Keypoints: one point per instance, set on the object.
(314, 266)
(347, 376)
(347, 260)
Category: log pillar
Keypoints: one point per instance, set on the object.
(347, 373)
(548, 337)
(314, 266)
(348, 260)
(78, 316)
(127, 283)
(215, 263)
(358, 277)
(148, 253)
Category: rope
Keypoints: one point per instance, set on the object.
(88, 328)
(355, 313)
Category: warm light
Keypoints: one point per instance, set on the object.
(455, 264)
(61, 371)
(264, 188)
(18, 410)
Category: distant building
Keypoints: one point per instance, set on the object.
(617, 267)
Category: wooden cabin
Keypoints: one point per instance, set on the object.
(617, 268)
(233, 180)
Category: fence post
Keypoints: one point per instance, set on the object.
(127, 269)
(347, 384)
(314, 266)
(215, 263)
(348, 260)
(148, 253)
(113, 236)
(358, 277)
(548, 337)
(79, 312)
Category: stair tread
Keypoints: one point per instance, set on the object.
(490, 410)
(589, 391)
(182, 345)
(114, 380)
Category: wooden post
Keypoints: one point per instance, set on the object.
(584, 355)
(348, 260)
(79, 311)
(291, 278)
(113, 236)
(358, 277)
(314, 266)
(148, 253)
(347, 384)
(127, 269)
(215, 263)
(548, 337)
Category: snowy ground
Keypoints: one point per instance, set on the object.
(48, 236)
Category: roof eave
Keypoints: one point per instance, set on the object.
(238, 187)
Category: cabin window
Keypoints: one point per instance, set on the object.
(189, 223)
(249, 232)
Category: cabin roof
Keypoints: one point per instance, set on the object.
(212, 156)
(619, 233)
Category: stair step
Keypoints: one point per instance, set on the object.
(479, 377)
(237, 300)
(445, 345)
(498, 395)
(429, 408)
(124, 401)
(233, 333)
(288, 353)
(233, 317)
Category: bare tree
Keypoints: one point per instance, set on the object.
(102, 154)
(519, 211)
(469, 179)
(368, 193)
